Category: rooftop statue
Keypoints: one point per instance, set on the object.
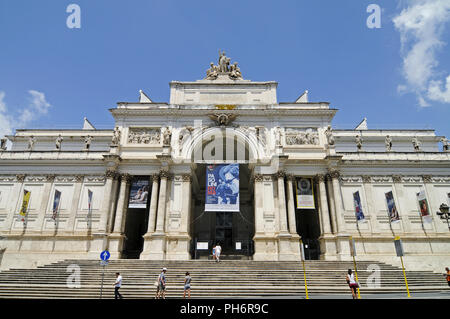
(224, 67)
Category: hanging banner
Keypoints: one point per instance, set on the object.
(358, 207)
(56, 203)
(139, 194)
(89, 214)
(424, 209)
(392, 209)
(25, 202)
(304, 193)
(448, 199)
(222, 188)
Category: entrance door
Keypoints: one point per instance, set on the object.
(224, 231)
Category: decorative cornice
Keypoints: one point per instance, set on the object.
(366, 178)
(427, 179)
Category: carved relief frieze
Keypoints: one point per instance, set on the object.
(144, 135)
(301, 136)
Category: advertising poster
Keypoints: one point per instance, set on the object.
(392, 209)
(222, 188)
(424, 208)
(139, 194)
(358, 207)
(304, 193)
(56, 203)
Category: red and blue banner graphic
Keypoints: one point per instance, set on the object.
(222, 188)
(358, 207)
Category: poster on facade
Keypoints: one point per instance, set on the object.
(56, 202)
(358, 207)
(139, 194)
(392, 209)
(304, 193)
(448, 199)
(25, 202)
(424, 208)
(222, 188)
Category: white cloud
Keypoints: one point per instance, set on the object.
(421, 26)
(5, 120)
(38, 105)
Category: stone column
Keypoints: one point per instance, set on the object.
(75, 203)
(329, 186)
(155, 249)
(324, 214)
(343, 248)
(153, 204)
(285, 247)
(399, 191)
(40, 222)
(122, 204)
(434, 204)
(291, 205)
(113, 209)
(106, 203)
(282, 203)
(371, 214)
(15, 205)
(116, 239)
(265, 239)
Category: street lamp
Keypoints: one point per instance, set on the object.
(444, 213)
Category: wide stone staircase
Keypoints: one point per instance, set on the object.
(227, 279)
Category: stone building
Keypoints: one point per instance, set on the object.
(69, 194)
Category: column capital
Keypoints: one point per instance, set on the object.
(164, 174)
(50, 177)
(334, 173)
(258, 177)
(110, 174)
(20, 178)
(366, 178)
(186, 177)
(154, 177)
(320, 178)
(427, 179)
(397, 178)
(290, 177)
(125, 177)
(280, 174)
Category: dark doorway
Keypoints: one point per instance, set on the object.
(136, 224)
(224, 231)
(308, 227)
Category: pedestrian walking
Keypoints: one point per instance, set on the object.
(161, 290)
(187, 285)
(117, 286)
(214, 252)
(352, 283)
(447, 275)
(218, 251)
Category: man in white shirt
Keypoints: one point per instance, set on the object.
(117, 286)
(218, 251)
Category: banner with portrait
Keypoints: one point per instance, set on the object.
(358, 207)
(139, 191)
(222, 188)
(304, 193)
(424, 208)
(392, 209)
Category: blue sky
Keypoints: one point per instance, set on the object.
(52, 76)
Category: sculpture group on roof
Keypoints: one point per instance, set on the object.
(224, 67)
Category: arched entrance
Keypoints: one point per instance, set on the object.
(233, 229)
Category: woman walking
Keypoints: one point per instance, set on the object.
(352, 283)
(187, 285)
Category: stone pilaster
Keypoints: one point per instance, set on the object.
(15, 205)
(40, 222)
(434, 204)
(326, 239)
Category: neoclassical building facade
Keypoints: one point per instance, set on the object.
(69, 194)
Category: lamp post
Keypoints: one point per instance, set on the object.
(444, 213)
